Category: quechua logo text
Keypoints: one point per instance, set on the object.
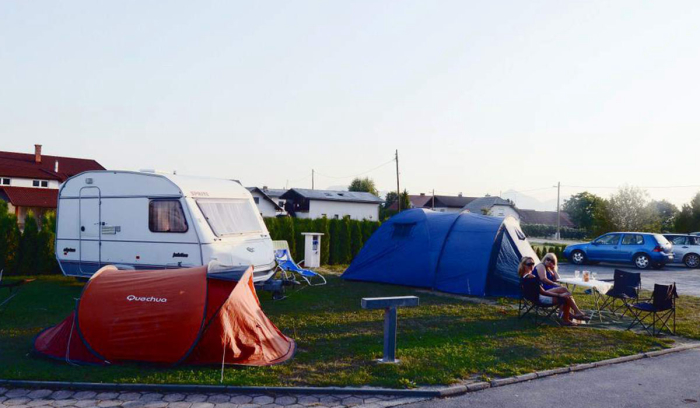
(147, 299)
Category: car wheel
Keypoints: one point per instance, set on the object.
(578, 257)
(642, 261)
(692, 261)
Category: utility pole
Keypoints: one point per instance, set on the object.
(312, 179)
(558, 210)
(398, 189)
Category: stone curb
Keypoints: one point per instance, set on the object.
(442, 392)
(207, 389)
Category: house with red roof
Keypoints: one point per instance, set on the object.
(30, 182)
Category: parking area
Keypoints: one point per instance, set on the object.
(687, 280)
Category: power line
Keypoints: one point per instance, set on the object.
(644, 187)
(358, 174)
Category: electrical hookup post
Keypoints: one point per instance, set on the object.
(390, 306)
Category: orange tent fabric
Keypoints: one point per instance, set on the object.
(167, 317)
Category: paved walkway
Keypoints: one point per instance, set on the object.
(672, 380)
(687, 280)
(21, 398)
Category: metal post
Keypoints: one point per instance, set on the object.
(390, 317)
(558, 211)
(398, 189)
(312, 179)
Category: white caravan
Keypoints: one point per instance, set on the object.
(145, 220)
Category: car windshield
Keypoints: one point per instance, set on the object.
(661, 240)
(230, 216)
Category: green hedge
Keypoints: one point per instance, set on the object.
(341, 242)
(546, 231)
(30, 252)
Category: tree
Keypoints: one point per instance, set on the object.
(664, 214)
(363, 184)
(688, 220)
(405, 201)
(583, 208)
(390, 199)
(629, 210)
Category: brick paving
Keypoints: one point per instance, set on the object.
(23, 398)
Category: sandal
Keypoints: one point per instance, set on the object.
(581, 317)
(568, 323)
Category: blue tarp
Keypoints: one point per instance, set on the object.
(463, 253)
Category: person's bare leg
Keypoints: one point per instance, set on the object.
(574, 306)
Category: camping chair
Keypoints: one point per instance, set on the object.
(13, 287)
(529, 302)
(626, 287)
(290, 269)
(661, 306)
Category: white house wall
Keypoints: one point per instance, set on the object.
(27, 182)
(331, 209)
(265, 207)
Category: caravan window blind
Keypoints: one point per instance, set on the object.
(230, 217)
(166, 216)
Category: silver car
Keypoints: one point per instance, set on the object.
(686, 249)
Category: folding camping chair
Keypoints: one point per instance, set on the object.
(529, 302)
(290, 269)
(626, 287)
(661, 306)
(13, 287)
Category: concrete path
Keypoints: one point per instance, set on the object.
(672, 380)
(21, 398)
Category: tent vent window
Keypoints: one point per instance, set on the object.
(166, 216)
(520, 235)
(402, 230)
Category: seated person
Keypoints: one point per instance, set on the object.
(548, 297)
(548, 274)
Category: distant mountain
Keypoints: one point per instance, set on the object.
(527, 202)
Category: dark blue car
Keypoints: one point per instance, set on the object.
(643, 249)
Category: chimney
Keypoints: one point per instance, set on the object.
(422, 194)
(37, 153)
(265, 188)
(55, 167)
(459, 195)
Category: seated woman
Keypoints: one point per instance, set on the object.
(564, 300)
(548, 273)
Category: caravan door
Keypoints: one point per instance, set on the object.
(90, 229)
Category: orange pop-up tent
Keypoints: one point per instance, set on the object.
(167, 317)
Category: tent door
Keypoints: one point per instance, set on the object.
(90, 229)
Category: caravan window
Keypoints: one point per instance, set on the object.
(166, 216)
(230, 217)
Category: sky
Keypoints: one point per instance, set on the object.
(477, 97)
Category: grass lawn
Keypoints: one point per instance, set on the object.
(443, 341)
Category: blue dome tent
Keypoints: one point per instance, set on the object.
(462, 253)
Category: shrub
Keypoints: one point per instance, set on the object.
(356, 240)
(546, 231)
(9, 240)
(29, 244)
(46, 239)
